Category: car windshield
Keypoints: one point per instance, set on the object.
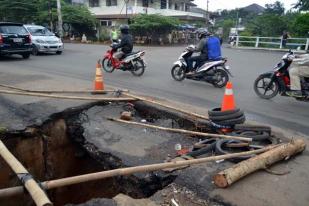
(13, 29)
(39, 31)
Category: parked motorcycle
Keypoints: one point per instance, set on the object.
(213, 72)
(269, 84)
(132, 62)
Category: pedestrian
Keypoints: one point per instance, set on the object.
(284, 38)
(114, 35)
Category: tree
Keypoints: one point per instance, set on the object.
(23, 11)
(301, 25)
(275, 8)
(302, 5)
(268, 25)
(153, 24)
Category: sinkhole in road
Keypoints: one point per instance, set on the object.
(82, 140)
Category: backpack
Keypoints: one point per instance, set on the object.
(213, 47)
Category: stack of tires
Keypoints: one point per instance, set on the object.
(226, 118)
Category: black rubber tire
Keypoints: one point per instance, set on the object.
(224, 78)
(256, 136)
(140, 71)
(227, 117)
(219, 148)
(35, 50)
(105, 65)
(232, 122)
(26, 56)
(256, 128)
(183, 73)
(204, 150)
(218, 112)
(264, 96)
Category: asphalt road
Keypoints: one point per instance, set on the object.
(78, 61)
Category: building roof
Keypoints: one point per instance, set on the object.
(255, 8)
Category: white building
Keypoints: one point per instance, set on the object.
(112, 12)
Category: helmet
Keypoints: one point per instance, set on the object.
(203, 33)
(124, 29)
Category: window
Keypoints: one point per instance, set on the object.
(111, 2)
(163, 4)
(106, 23)
(12, 29)
(145, 3)
(93, 3)
(176, 7)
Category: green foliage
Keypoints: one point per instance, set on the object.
(153, 24)
(275, 8)
(227, 25)
(301, 25)
(18, 10)
(302, 5)
(268, 25)
(37, 11)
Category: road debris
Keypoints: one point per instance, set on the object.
(285, 151)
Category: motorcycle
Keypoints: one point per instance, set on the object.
(213, 72)
(269, 84)
(132, 62)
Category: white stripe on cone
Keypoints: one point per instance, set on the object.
(228, 92)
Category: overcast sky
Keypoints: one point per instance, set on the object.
(232, 4)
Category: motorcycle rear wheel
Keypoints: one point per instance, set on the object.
(178, 73)
(107, 65)
(223, 78)
(261, 87)
(138, 68)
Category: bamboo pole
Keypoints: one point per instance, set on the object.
(63, 91)
(37, 194)
(202, 134)
(167, 106)
(128, 171)
(67, 97)
(227, 177)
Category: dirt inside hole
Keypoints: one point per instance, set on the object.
(58, 149)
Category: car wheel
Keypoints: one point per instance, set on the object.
(26, 56)
(58, 52)
(35, 51)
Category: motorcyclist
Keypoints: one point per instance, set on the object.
(299, 68)
(199, 48)
(210, 48)
(126, 43)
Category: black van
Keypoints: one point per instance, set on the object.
(14, 39)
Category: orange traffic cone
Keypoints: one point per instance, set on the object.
(228, 102)
(98, 81)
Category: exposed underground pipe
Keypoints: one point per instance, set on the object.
(35, 191)
(128, 171)
(183, 130)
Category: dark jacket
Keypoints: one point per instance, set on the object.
(126, 44)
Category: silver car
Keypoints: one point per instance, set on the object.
(43, 40)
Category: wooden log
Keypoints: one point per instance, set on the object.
(128, 171)
(227, 177)
(201, 134)
(167, 106)
(37, 194)
(67, 97)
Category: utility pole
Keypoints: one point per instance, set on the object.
(50, 16)
(207, 14)
(60, 30)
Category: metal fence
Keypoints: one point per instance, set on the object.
(270, 42)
